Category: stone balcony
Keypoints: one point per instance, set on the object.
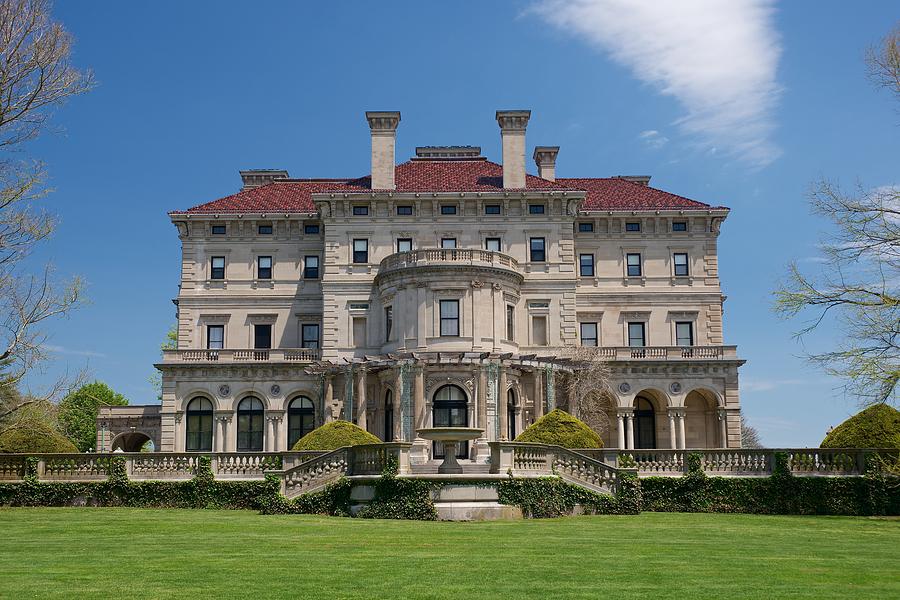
(441, 258)
(666, 353)
(274, 355)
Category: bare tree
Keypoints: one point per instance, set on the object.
(586, 392)
(859, 283)
(749, 435)
(36, 77)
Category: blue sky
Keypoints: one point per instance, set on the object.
(740, 103)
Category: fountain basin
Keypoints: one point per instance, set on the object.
(450, 437)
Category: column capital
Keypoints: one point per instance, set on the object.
(675, 411)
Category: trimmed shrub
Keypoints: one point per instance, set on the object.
(561, 429)
(34, 436)
(875, 427)
(334, 435)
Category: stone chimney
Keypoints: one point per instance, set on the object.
(545, 159)
(384, 138)
(256, 177)
(639, 179)
(512, 133)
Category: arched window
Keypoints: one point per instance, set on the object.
(644, 423)
(301, 419)
(250, 424)
(388, 416)
(511, 415)
(199, 430)
(450, 410)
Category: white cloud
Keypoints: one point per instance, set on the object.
(767, 385)
(717, 58)
(653, 138)
(64, 350)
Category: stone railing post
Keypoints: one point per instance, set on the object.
(41, 468)
(403, 460)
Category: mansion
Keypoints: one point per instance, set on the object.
(445, 290)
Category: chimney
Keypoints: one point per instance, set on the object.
(545, 159)
(639, 179)
(256, 177)
(512, 133)
(384, 138)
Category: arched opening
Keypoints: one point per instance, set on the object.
(301, 419)
(199, 427)
(133, 441)
(700, 420)
(388, 416)
(512, 431)
(250, 415)
(450, 410)
(644, 423)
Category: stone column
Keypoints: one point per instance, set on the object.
(420, 420)
(672, 433)
(269, 433)
(481, 400)
(538, 394)
(620, 421)
(681, 444)
(328, 399)
(361, 398)
(502, 404)
(723, 428)
(398, 406)
(629, 431)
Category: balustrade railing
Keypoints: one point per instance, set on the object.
(465, 256)
(74, 467)
(316, 473)
(668, 352)
(522, 459)
(298, 355)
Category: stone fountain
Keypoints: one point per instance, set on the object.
(450, 437)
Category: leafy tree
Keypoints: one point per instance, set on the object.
(78, 412)
(859, 283)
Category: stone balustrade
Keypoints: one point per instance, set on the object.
(625, 353)
(528, 460)
(276, 355)
(438, 256)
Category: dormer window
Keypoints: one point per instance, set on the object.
(448, 209)
(265, 230)
(404, 211)
(536, 209)
(633, 226)
(360, 211)
(218, 230)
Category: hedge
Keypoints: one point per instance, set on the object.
(875, 427)
(334, 435)
(559, 428)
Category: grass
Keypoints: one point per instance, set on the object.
(127, 553)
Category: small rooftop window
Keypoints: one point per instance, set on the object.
(360, 211)
(265, 230)
(492, 209)
(633, 226)
(218, 230)
(585, 227)
(679, 226)
(536, 209)
(448, 209)
(311, 229)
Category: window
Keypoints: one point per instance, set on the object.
(388, 416)
(644, 423)
(301, 419)
(388, 322)
(585, 227)
(404, 211)
(588, 334)
(264, 267)
(404, 244)
(359, 332)
(310, 229)
(535, 209)
(309, 335)
(680, 261)
(217, 270)
(449, 317)
(492, 244)
(511, 415)
(450, 410)
(633, 226)
(538, 253)
(586, 265)
(510, 322)
(684, 333)
(633, 265)
(539, 330)
(311, 267)
(265, 230)
(250, 425)
(262, 336)
(636, 337)
(199, 429)
(492, 209)
(215, 337)
(360, 211)
(448, 209)
(679, 226)
(218, 230)
(360, 251)
(448, 243)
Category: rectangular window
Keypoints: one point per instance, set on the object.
(585, 227)
(359, 332)
(404, 211)
(311, 267)
(388, 322)
(535, 209)
(218, 230)
(679, 226)
(215, 337)
(538, 253)
(684, 333)
(586, 265)
(633, 226)
(262, 336)
(309, 336)
(633, 265)
(448, 209)
(310, 229)
(636, 335)
(404, 244)
(360, 211)
(539, 330)
(264, 267)
(492, 209)
(361, 251)
(510, 322)
(217, 270)
(449, 317)
(265, 230)
(588, 334)
(492, 244)
(448, 243)
(680, 261)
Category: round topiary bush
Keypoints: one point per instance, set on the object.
(561, 429)
(334, 435)
(875, 427)
(34, 437)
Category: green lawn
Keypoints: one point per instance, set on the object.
(135, 553)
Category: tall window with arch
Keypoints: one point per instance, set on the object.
(199, 426)
(301, 419)
(451, 410)
(511, 432)
(388, 416)
(250, 414)
(644, 423)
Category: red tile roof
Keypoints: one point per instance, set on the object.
(295, 195)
